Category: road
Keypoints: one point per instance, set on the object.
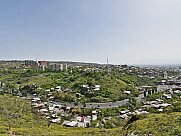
(160, 88)
(103, 105)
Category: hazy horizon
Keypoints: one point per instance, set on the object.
(129, 32)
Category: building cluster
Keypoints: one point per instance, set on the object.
(91, 87)
(158, 105)
(55, 113)
(125, 114)
(45, 65)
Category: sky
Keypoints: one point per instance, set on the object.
(127, 31)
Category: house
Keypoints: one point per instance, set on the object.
(177, 91)
(58, 89)
(168, 96)
(47, 117)
(38, 105)
(127, 92)
(47, 90)
(51, 108)
(85, 86)
(125, 111)
(78, 118)
(124, 116)
(94, 115)
(97, 87)
(52, 89)
(87, 120)
(68, 108)
(137, 112)
(36, 99)
(83, 121)
(49, 94)
(155, 105)
(160, 109)
(81, 124)
(70, 123)
(43, 110)
(55, 120)
(165, 105)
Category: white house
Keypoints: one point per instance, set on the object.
(94, 115)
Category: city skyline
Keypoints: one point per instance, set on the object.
(128, 32)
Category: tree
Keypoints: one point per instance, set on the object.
(132, 103)
(76, 110)
(144, 93)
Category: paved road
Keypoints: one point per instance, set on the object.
(104, 105)
(113, 104)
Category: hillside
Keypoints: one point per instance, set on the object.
(159, 124)
(18, 118)
(113, 81)
(112, 85)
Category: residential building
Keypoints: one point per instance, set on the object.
(31, 64)
(57, 67)
(43, 65)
